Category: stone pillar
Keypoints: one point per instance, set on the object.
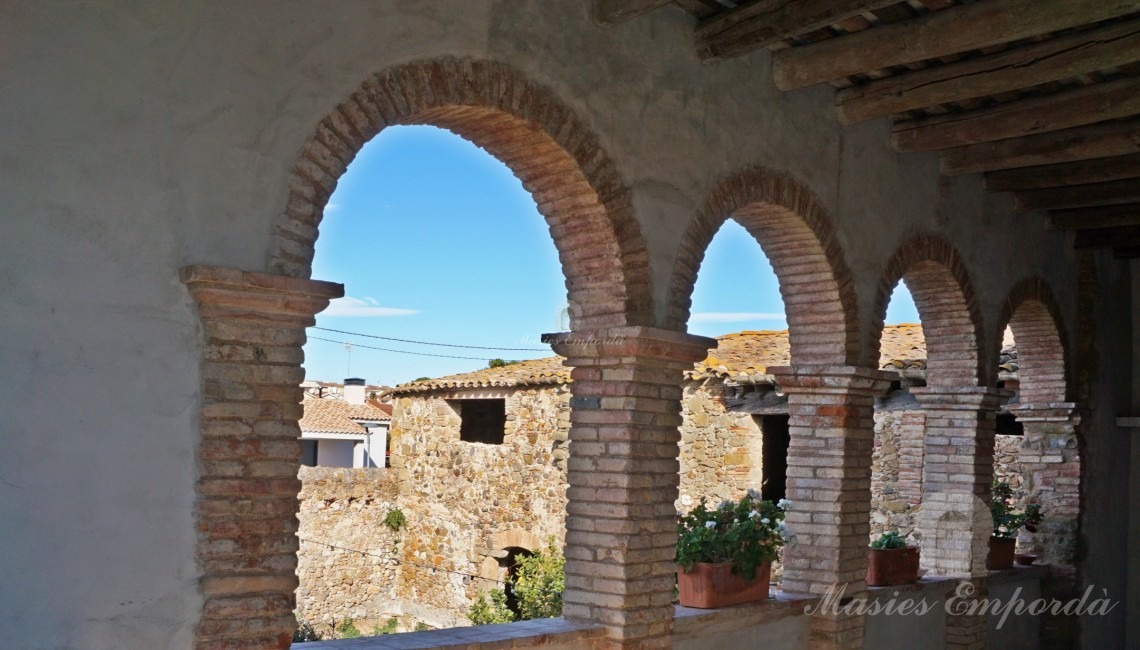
(248, 457)
(832, 422)
(1050, 464)
(958, 473)
(621, 524)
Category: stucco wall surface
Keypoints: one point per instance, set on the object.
(145, 136)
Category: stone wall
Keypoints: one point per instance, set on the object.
(347, 560)
(721, 452)
(896, 471)
(467, 502)
(1007, 466)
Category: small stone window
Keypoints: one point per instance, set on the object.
(482, 420)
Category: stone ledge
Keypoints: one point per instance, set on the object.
(1019, 573)
(689, 622)
(549, 633)
(936, 586)
(234, 279)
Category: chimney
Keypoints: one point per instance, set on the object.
(354, 390)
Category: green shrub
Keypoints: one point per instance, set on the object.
(539, 582)
(347, 630)
(488, 612)
(305, 632)
(422, 627)
(1007, 520)
(389, 627)
(395, 519)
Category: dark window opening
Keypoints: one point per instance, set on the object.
(776, 436)
(1007, 425)
(309, 453)
(482, 420)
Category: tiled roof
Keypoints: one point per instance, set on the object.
(535, 372)
(746, 356)
(743, 356)
(332, 415)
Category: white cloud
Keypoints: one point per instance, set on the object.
(331, 207)
(734, 316)
(349, 307)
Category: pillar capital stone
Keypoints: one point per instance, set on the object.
(1051, 412)
(832, 379)
(969, 398)
(223, 293)
(643, 344)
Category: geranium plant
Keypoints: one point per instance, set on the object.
(747, 533)
(1007, 520)
(888, 540)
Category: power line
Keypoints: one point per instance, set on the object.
(446, 345)
(419, 354)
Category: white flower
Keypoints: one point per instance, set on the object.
(783, 504)
(754, 514)
(710, 524)
(765, 521)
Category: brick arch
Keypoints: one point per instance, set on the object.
(577, 188)
(945, 298)
(795, 233)
(1033, 314)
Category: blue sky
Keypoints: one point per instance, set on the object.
(435, 240)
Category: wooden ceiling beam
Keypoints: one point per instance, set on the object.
(1113, 216)
(701, 9)
(1123, 237)
(764, 22)
(1080, 196)
(612, 12)
(1098, 170)
(1060, 58)
(1069, 145)
(941, 33)
(1075, 107)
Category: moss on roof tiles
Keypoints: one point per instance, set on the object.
(741, 356)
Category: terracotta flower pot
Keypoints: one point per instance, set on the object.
(891, 566)
(708, 585)
(1001, 553)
